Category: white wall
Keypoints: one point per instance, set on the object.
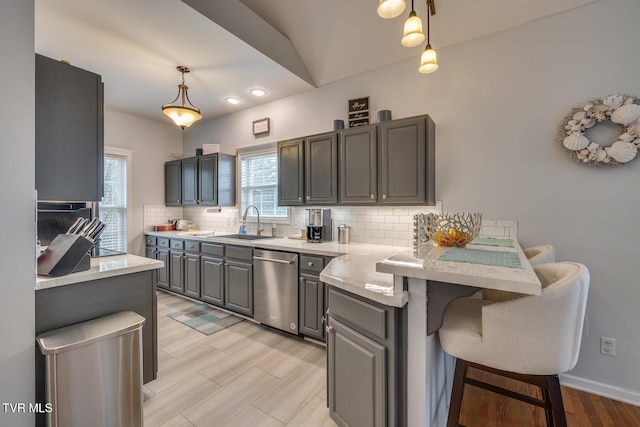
(17, 183)
(498, 102)
(151, 142)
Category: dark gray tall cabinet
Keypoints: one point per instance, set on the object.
(291, 172)
(366, 362)
(69, 132)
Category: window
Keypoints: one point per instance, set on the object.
(259, 184)
(113, 207)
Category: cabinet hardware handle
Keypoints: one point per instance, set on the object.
(329, 329)
(323, 320)
(308, 197)
(279, 261)
(299, 199)
(373, 196)
(301, 279)
(310, 263)
(384, 197)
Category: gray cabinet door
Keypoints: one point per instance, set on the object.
(212, 280)
(402, 160)
(238, 287)
(163, 273)
(192, 275)
(356, 378)
(291, 173)
(176, 271)
(311, 306)
(358, 175)
(173, 183)
(321, 169)
(69, 132)
(190, 181)
(207, 180)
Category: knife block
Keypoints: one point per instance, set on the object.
(67, 253)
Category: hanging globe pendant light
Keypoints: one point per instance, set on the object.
(428, 59)
(413, 35)
(391, 8)
(184, 114)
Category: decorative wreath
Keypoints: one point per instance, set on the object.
(621, 109)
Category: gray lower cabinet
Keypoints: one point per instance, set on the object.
(212, 280)
(358, 148)
(291, 172)
(311, 294)
(157, 248)
(176, 271)
(238, 279)
(173, 183)
(366, 361)
(191, 275)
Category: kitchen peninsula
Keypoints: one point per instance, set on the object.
(112, 284)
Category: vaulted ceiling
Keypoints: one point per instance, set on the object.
(283, 46)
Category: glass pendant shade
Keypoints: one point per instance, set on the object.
(391, 8)
(184, 114)
(428, 61)
(413, 35)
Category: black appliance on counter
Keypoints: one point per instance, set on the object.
(318, 225)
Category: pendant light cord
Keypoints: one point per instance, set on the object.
(428, 23)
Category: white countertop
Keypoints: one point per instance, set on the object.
(353, 269)
(101, 268)
(423, 263)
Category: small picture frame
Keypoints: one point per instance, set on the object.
(261, 126)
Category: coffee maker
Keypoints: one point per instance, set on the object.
(318, 225)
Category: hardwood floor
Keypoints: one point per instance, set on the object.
(250, 375)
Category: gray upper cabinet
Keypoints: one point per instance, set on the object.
(204, 180)
(359, 166)
(291, 172)
(173, 183)
(69, 130)
(190, 181)
(403, 161)
(321, 169)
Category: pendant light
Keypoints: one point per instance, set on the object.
(428, 60)
(391, 8)
(183, 115)
(413, 35)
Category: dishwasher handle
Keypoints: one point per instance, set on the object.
(280, 261)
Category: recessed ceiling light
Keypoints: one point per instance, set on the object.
(232, 100)
(258, 92)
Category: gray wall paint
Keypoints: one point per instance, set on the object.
(498, 102)
(17, 182)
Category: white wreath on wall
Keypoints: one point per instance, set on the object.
(620, 109)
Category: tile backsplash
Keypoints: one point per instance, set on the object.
(380, 225)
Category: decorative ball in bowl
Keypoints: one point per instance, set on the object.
(453, 229)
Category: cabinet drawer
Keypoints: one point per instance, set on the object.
(239, 252)
(211, 249)
(365, 316)
(151, 240)
(177, 244)
(313, 264)
(163, 242)
(192, 246)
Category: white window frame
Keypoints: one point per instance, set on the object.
(124, 152)
(262, 149)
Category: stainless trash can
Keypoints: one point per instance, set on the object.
(94, 372)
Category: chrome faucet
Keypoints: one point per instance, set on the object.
(244, 217)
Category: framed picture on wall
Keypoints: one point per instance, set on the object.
(261, 126)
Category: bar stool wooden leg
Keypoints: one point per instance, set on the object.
(559, 419)
(457, 391)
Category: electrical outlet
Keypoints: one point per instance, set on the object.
(608, 346)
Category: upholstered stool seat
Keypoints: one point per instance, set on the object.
(531, 338)
(542, 254)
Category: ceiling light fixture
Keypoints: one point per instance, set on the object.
(232, 100)
(413, 35)
(258, 92)
(183, 115)
(428, 60)
(388, 9)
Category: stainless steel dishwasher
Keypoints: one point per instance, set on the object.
(275, 289)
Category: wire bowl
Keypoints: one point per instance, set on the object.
(453, 229)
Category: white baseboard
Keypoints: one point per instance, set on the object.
(616, 393)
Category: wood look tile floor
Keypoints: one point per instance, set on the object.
(245, 375)
(250, 375)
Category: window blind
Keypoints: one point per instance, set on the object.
(113, 208)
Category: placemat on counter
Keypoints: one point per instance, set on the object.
(479, 256)
(492, 241)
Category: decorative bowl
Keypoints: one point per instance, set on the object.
(453, 229)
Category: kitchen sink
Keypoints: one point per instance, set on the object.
(245, 236)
